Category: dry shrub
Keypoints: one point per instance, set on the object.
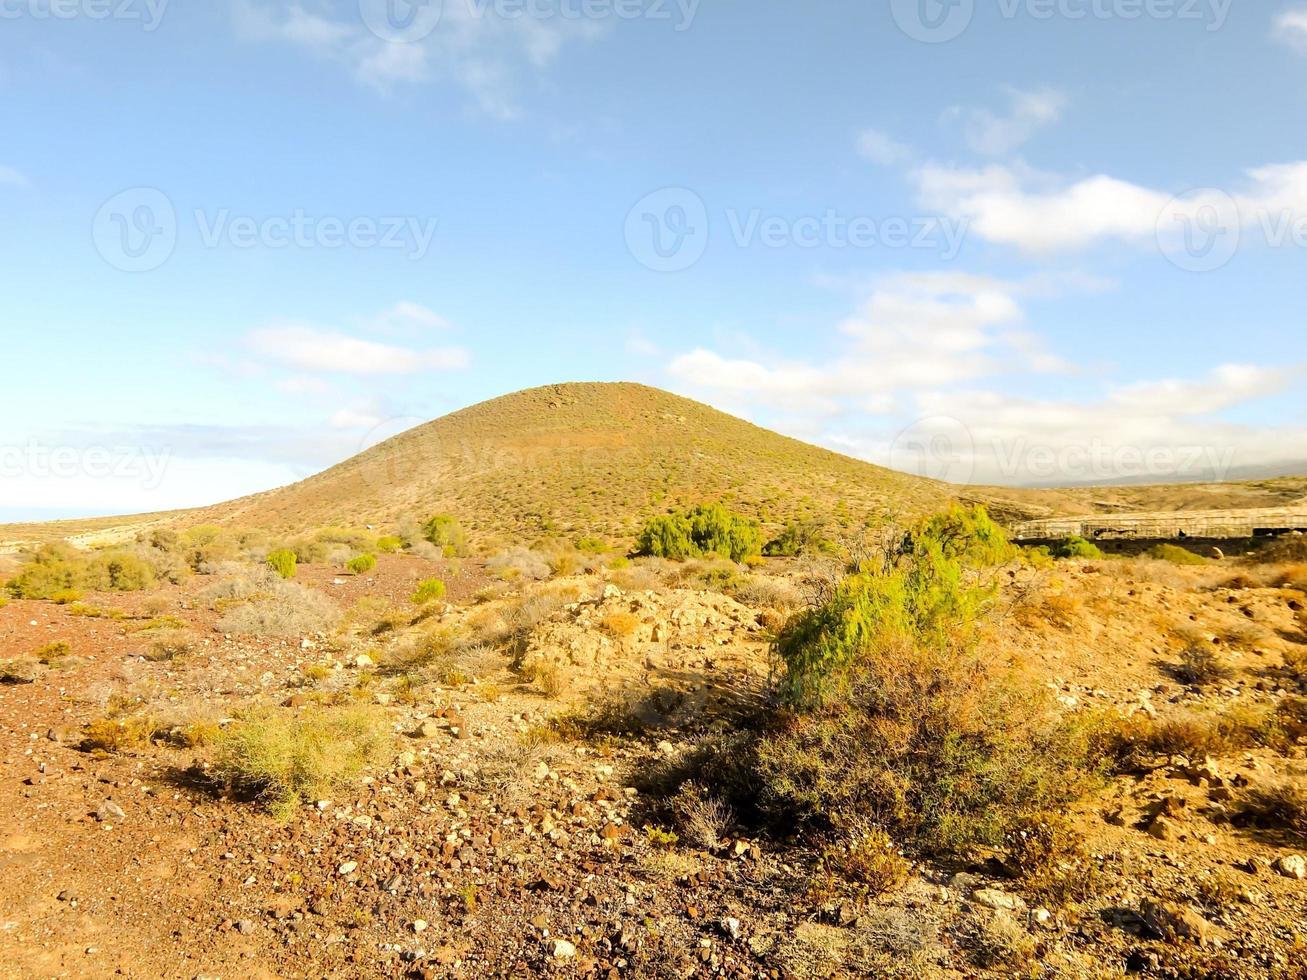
(620, 625)
(1057, 609)
(1293, 577)
(1295, 662)
(1201, 665)
(1137, 742)
(1290, 548)
(119, 734)
(997, 941)
(1051, 859)
(170, 646)
(282, 608)
(550, 677)
(864, 866)
(760, 592)
(518, 563)
(1281, 807)
(283, 758)
(702, 819)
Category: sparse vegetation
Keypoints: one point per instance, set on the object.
(284, 759)
(1175, 555)
(446, 533)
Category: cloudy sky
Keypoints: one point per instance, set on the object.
(1017, 241)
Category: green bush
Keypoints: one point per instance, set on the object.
(1175, 555)
(703, 530)
(1076, 547)
(428, 591)
(283, 561)
(446, 534)
(362, 564)
(58, 571)
(898, 717)
(968, 535)
(389, 544)
(591, 545)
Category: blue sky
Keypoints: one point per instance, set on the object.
(1019, 241)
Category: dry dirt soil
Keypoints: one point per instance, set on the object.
(490, 845)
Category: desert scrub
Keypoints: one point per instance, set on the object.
(428, 591)
(899, 718)
(60, 570)
(519, 563)
(864, 866)
(286, 609)
(362, 564)
(798, 538)
(1280, 806)
(283, 759)
(1076, 547)
(704, 530)
(966, 535)
(1174, 554)
(445, 532)
(1051, 859)
(283, 561)
(1200, 665)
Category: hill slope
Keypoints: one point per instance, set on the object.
(584, 458)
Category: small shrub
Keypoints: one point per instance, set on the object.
(1201, 665)
(868, 862)
(798, 538)
(965, 535)
(660, 838)
(1051, 859)
(1175, 555)
(1076, 547)
(428, 591)
(519, 563)
(362, 564)
(620, 625)
(703, 530)
(591, 545)
(549, 677)
(389, 544)
(284, 759)
(1281, 807)
(286, 610)
(170, 646)
(119, 733)
(53, 652)
(702, 819)
(447, 534)
(283, 561)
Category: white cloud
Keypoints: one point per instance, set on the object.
(879, 147)
(1014, 205)
(640, 345)
(471, 47)
(405, 317)
(994, 134)
(914, 331)
(366, 414)
(1291, 28)
(303, 385)
(8, 175)
(309, 348)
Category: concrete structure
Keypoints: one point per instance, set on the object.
(1170, 525)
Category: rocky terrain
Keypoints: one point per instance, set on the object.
(512, 829)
